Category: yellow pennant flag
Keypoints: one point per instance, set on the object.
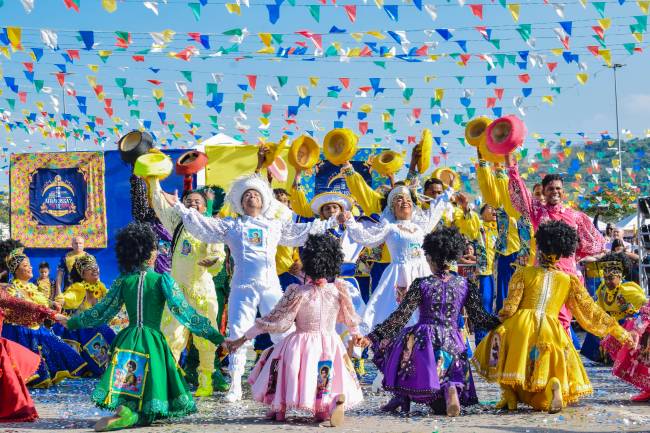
(605, 23)
(5, 52)
(266, 50)
(557, 51)
(439, 94)
(366, 108)
(357, 36)
(314, 81)
(265, 38)
(93, 68)
(354, 52)
(643, 5)
(385, 117)
(377, 34)
(583, 3)
(535, 135)
(638, 36)
(563, 141)
(548, 99)
(616, 163)
(514, 11)
(158, 93)
(40, 105)
(434, 57)
(581, 156)
(582, 77)
(233, 8)
(184, 102)
(14, 36)
(109, 5)
(246, 96)
(92, 80)
(429, 78)
(302, 91)
(379, 3)
(610, 143)
(607, 56)
(187, 117)
(567, 151)
(264, 121)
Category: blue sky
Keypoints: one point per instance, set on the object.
(588, 109)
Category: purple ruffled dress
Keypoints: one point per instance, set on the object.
(419, 362)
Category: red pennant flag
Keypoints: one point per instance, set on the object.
(498, 92)
(29, 66)
(108, 102)
(302, 44)
(60, 77)
(365, 52)
(465, 58)
(477, 10)
(436, 160)
(410, 139)
(72, 4)
(98, 89)
(266, 108)
(524, 78)
(599, 31)
(347, 105)
(483, 31)
(345, 82)
(99, 121)
(351, 11)
(551, 66)
(422, 51)
(593, 49)
(155, 82)
(109, 111)
(490, 102)
(190, 96)
(417, 112)
(565, 42)
(74, 54)
(252, 81)
(23, 97)
(363, 127)
(138, 58)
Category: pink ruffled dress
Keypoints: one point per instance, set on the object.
(310, 367)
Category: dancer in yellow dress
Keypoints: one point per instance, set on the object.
(530, 355)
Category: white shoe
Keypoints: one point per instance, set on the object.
(376, 384)
(234, 394)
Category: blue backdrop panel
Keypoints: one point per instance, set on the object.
(118, 214)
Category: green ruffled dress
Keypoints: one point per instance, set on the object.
(143, 374)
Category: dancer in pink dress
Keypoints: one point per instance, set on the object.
(310, 369)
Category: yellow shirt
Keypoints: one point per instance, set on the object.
(622, 301)
(28, 291)
(470, 225)
(76, 297)
(285, 257)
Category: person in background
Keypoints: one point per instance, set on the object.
(44, 283)
(617, 235)
(538, 192)
(67, 262)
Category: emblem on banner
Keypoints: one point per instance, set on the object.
(58, 198)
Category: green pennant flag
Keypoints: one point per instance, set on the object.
(233, 32)
(556, 89)
(501, 59)
(460, 79)
(524, 31)
(128, 92)
(143, 52)
(132, 103)
(629, 47)
(332, 94)
(462, 141)
(524, 152)
(291, 2)
(277, 38)
(240, 106)
(512, 58)
(265, 133)
(458, 119)
(471, 111)
(38, 84)
(187, 75)
(135, 113)
(331, 51)
(282, 79)
(408, 92)
(600, 8)
(600, 40)
(122, 35)
(314, 10)
(196, 10)
(121, 82)
(12, 103)
(642, 21)
(103, 57)
(496, 43)
(211, 88)
(381, 64)
(435, 102)
(502, 3)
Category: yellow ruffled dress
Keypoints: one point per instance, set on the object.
(531, 347)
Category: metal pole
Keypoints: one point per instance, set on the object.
(614, 67)
(65, 137)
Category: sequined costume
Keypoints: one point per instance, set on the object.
(633, 365)
(404, 241)
(195, 281)
(420, 362)
(530, 348)
(143, 373)
(18, 363)
(590, 241)
(93, 344)
(310, 367)
(59, 361)
(621, 302)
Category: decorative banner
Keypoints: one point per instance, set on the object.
(328, 178)
(57, 196)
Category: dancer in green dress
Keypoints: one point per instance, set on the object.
(142, 381)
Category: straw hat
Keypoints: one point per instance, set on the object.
(425, 145)
(243, 184)
(445, 174)
(191, 162)
(153, 164)
(475, 130)
(387, 162)
(330, 197)
(505, 134)
(274, 150)
(304, 153)
(340, 145)
(134, 144)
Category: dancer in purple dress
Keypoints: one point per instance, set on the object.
(427, 363)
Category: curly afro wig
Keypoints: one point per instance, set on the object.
(623, 259)
(321, 257)
(6, 247)
(556, 238)
(134, 245)
(443, 246)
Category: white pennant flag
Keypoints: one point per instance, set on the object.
(28, 5)
(217, 77)
(400, 83)
(559, 9)
(152, 6)
(272, 92)
(49, 38)
(431, 10)
(182, 88)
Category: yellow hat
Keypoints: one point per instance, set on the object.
(445, 175)
(387, 163)
(153, 164)
(304, 152)
(475, 130)
(425, 151)
(489, 156)
(275, 150)
(340, 145)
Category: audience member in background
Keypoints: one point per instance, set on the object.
(67, 262)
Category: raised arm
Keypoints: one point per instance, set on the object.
(164, 211)
(487, 184)
(185, 314)
(367, 234)
(72, 297)
(281, 317)
(590, 240)
(429, 218)
(390, 327)
(102, 312)
(365, 196)
(298, 199)
(206, 229)
(21, 311)
(520, 197)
